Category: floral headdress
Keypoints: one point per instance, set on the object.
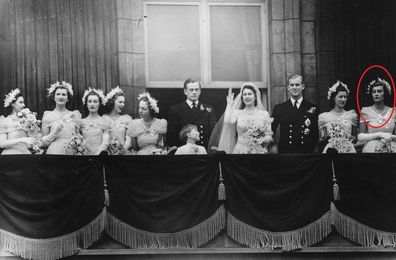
(152, 102)
(334, 88)
(112, 93)
(11, 96)
(379, 80)
(98, 92)
(57, 84)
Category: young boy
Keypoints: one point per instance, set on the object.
(189, 134)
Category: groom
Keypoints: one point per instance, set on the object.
(298, 120)
(193, 112)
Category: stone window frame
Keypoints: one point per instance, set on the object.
(204, 6)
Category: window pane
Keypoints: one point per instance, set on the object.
(173, 42)
(236, 45)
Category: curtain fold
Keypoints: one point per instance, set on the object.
(366, 212)
(278, 201)
(159, 201)
(50, 206)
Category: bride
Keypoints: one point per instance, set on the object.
(245, 127)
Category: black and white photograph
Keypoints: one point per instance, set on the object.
(197, 129)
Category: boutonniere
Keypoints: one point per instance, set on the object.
(307, 122)
(201, 107)
(209, 109)
(306, 131)
(311, 110)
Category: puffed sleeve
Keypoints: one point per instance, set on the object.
(46, 121)
(105, 124)
(162, 126)
(322, 120)
(3, 125)
(365, 113)
(354, 117)
(134, 130)
(126, 119)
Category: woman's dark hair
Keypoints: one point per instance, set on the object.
(110, 103)
(69, 96)
(8, 110)
(387, 94)
(151, 111)
(254, 92)
(93, 93)
(334, 94)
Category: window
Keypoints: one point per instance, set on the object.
(222, 43)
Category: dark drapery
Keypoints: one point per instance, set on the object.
(366, 212)
(56, 204)
(278, 200)
(159, 201)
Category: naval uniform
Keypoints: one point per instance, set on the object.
(299, 131)
(201, 115)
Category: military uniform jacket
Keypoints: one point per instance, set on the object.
(299, 131)
(182, 114)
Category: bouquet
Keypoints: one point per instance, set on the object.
(258, 137)
(77, 144)
(385, 146)
(35, 149)
(115, 147)
(339, 139)
(28, 122)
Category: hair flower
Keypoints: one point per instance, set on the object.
(111, 94)
(98, 92)
(152, 102)
(382, 82)
(9, 98)
(57, 84)
(334, 88)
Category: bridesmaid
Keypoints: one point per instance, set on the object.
(59, 124)
(337, 96)
(94, 128)
(148, 132)
(12, 139)
(380, 139)
(114, 103)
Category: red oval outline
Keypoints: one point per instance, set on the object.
(394, 95)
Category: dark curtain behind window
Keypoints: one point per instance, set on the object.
(351, 36)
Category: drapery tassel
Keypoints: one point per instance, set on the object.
(287, 241)
(106, 192)
(189, 238)
(55, 247)
(221, 189)
(336, 188)
(360, 233)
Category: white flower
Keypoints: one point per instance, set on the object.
(11, 96)
(112, 93)
(307, 122)
(98, 92)
(384, 82)
(334, 88)
(57, 84)
(152, 102)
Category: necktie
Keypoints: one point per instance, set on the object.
(295, 105)
(194, 105)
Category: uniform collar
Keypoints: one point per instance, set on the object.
(298, 100)
(190, 103)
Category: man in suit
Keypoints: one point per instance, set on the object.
(191, 112)
(298, 120)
